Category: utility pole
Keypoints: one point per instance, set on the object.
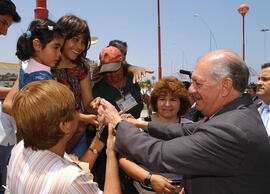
(264, 31)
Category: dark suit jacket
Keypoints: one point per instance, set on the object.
(228, 154)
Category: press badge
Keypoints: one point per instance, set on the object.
(126, 103)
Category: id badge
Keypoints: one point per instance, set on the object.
(126, 103)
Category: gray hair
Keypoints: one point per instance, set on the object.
(230, 67)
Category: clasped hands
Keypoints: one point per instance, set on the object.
(107, 113)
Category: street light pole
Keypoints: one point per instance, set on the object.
(243, 9)
(210, 31)
(210, 41)
(159, 46)
(41, 9)
(264, 30)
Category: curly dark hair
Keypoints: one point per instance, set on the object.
(171, 86)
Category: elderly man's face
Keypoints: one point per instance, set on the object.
(204, 89)
(263, 85)
(5, 22)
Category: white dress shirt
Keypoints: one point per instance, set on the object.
(268, 123)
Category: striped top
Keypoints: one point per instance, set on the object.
(43, 171)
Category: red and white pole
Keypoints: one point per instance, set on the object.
(41, 9)
(243, 9)
(159, 46)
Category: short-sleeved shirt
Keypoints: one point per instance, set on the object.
(31, 70)
(7, 129)
(43, 171)
(71, 77)
(104, 90)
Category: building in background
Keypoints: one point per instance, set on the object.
(8, 73)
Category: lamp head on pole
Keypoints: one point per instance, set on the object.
(243, 9)
(196, 15)
(93, 40)
(264, 30)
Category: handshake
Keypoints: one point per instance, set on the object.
(106, 117)
(106, 112)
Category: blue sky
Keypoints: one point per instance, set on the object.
(184, 38)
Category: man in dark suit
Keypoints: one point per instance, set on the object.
(263, 92)
(227, 152)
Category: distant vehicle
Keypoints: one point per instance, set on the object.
(4, 85)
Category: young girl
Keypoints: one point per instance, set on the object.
(39, 49)
(73, 71)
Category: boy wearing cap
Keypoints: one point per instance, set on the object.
(117, 88)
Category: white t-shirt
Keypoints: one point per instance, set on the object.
(7, 129)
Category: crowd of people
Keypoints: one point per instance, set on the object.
(61, 134)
